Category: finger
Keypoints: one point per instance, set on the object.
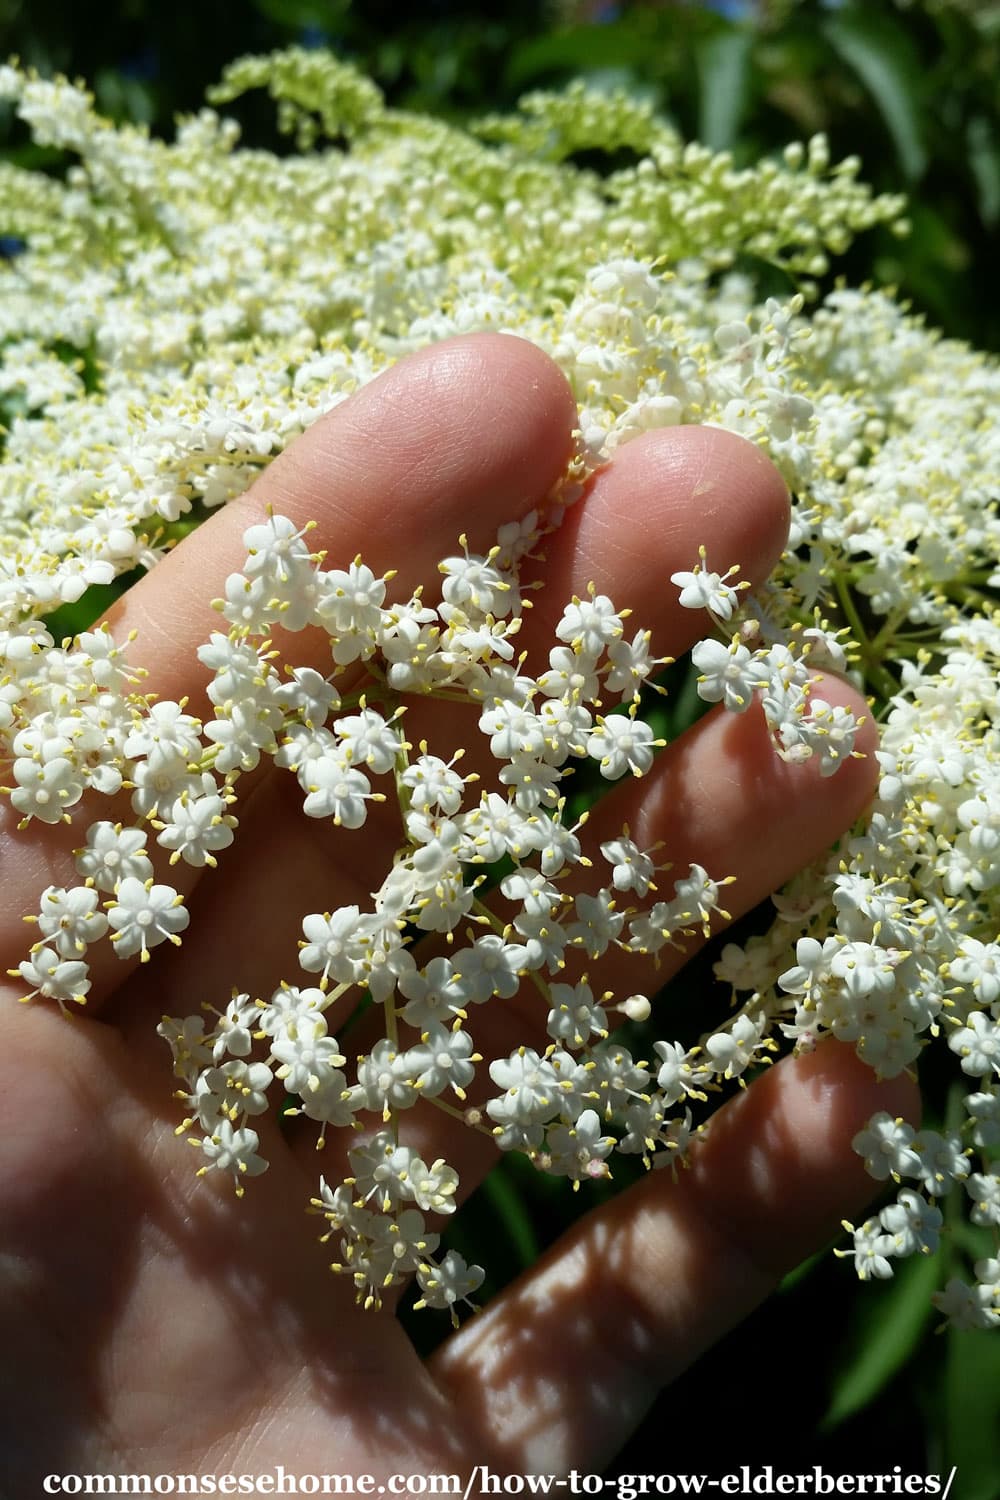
(560, 1368)
(643, 517)
(720, 796)
(465, 435)
(662, 497)
(461, 436)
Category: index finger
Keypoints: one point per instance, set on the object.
(462, 436)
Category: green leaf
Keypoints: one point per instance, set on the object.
(724, 67)
(579, 50)
(122, 98)
(894, 1324)
(881, 53)
(984, 159)
(296, 15)
(802, 1271)
(512, 1216)
(972, 1411)
(69, 619)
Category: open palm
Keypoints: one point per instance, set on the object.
(152, 1321)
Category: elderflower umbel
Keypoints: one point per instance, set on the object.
(183, 310)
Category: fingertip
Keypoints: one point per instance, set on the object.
(662, 497)
(826, 1097)
(460, 437)
(832, 1078)
(778, 1164)
(481, 424)
(730, 491)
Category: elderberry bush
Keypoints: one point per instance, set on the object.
(182, 311)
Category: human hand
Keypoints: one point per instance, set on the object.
(154, 1322)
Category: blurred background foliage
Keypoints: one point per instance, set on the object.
(863, 1384)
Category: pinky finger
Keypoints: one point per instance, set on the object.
(561, 1367)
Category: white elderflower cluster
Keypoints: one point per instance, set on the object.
(181, 311)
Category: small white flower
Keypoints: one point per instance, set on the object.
(444, 1059)
(887, 1147)
(349, 605)
(829, 731)
(597, 923)
(978, 966)
(433, 785)
(310, 695)
(387, 1077)
(729, 674)
(492, 966)
(45, 790)
(588, 625)
(451, 1280)
(864, 969)
(913, 1223)
(575, 1015)
(984, 1190)
(943, 1161)
(678, 1076)
(977, 1044)
(579, 1150)
(70, 919)
(633, 870)
(963, 1306)
(196, 828)
(233, 1031)
(166, 737)
(630, 664)
(143, 914)
(872, 1249)
(367, 739)
(476, 581)
(337, 791)
(337, 945)
(515, 730)
(734, 1050)
(232, 1149)
(54, 977)
(701, 589)
(306, 1053)
(812, 968)
(531, 1089)
(620, 743)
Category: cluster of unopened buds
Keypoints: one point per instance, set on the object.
(480, 866)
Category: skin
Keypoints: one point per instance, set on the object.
(153, 1321)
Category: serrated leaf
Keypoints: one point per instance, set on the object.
(882, 55)
(724, 68)
(895, 1319)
